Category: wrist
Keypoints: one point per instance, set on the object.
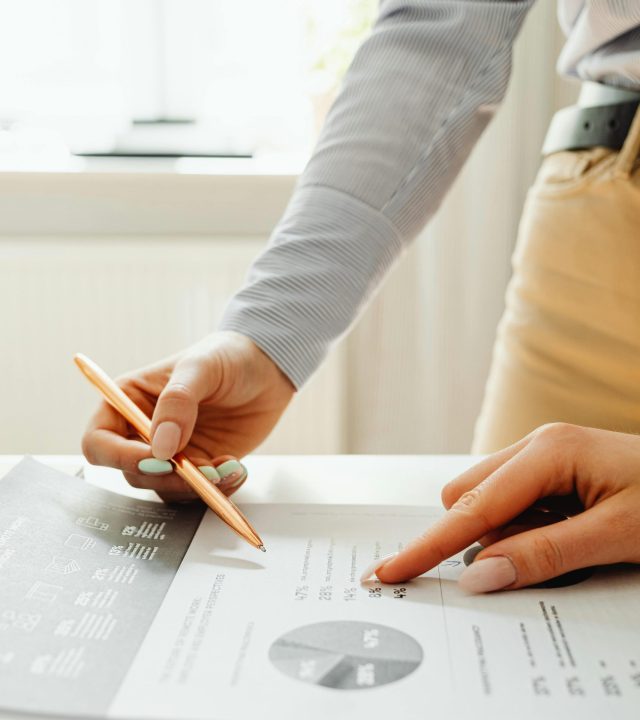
(236, 360)
(259, 364)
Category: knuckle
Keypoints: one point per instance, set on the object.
(468, 500)
(120, 461)
(141, 482)
(429, 543)
(559, 432)
(627, 520)
(437, 549)
(125, 382)
(136, 482)
(180, 392)
(470, 505)
(547, 556)
(561, 444)
(624, 528)
(88, 449)
(124, 460)
(446, 496)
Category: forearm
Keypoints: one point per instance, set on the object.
(419, 93)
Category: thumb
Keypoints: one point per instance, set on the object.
(534, 556)
(176, 411)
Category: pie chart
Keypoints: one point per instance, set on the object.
(346, 654)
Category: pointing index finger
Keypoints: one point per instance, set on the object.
(510, 490)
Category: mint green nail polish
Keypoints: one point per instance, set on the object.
(228, 468)
(237, 479)
(210, 473)
(153, 466)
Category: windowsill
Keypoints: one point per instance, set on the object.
(146, 196)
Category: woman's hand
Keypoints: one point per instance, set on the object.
(221, 396)
(598, 468)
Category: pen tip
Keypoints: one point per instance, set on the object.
(262, 548)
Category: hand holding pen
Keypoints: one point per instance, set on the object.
(221, 395)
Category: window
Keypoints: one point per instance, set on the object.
(175, 77)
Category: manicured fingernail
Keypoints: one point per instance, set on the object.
(488, 575)
(210, 473)
(166, 439)
(372, 569)
(153, 466)
(237, 479)
(228, 468)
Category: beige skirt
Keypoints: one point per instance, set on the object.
(568, 345)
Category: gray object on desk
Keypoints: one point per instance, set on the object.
(83, 572)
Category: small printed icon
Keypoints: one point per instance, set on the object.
(84, 598)
(41, 664)
(62, 566)
(100, 574)
(65, 664)
(135, 551)
(42, 591)
(79, 542)
(12, 619)
(147, 530)
(122, 574)
(93, 522)
(64, 628)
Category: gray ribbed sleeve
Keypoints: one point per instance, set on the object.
(417, 96)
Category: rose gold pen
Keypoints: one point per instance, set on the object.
(221, 505)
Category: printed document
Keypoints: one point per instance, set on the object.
(115, 607)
